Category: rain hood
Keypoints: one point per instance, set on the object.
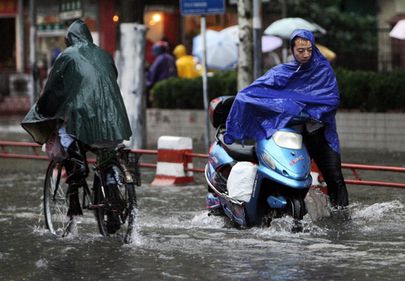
(82, 93)
(285, 91)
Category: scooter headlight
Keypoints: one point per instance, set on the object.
(288, 139)
(269, 161)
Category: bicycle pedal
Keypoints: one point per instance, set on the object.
(95, 206)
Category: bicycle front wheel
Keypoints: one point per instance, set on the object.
(115, 203)
(55, 200)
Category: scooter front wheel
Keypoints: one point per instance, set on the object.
(296, 209)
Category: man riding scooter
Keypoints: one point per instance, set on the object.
(305, 86)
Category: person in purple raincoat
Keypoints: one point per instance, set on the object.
(163, 67)
(307, 85)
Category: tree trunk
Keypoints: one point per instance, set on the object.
(245, 65)
(132, 68)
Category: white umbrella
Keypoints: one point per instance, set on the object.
(221, 53)
(398, 31)
(231, 33)
(270, 43)
(286, 26)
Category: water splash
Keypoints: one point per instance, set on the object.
(393, 210)
(41, 263)
(202, 220)
(317, 204)
(386, 219)
(281, 228)
(40, 230)
(135, 238)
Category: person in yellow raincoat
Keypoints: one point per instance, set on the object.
(186, 66)
(326, 52)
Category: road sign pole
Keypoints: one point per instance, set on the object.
(205, 81)
(257, 39)
(203, 8)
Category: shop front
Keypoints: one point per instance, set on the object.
(18, 66)
(54, 17)
(8, 52)
(24, 52)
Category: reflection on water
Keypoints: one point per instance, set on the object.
(176, 240)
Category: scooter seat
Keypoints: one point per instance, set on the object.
(239, 152)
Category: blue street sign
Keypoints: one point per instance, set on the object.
(202, 7)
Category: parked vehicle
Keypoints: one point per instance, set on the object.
(258, 181)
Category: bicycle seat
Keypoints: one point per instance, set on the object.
(240, 152)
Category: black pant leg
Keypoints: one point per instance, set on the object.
(329, 163)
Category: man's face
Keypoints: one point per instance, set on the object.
(302, 50)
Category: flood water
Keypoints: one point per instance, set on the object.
(176, 240)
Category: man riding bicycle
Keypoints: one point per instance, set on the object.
(81, 106)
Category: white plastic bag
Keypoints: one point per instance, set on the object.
(241, 180)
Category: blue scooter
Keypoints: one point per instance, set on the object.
(282, 177)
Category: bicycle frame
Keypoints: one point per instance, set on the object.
(102, 163)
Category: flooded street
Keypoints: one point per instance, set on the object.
(176, 240)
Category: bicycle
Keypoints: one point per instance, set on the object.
(112, 197)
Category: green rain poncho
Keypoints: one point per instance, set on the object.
(82, 93)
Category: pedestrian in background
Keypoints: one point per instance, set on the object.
(186, 65)
(163, 67)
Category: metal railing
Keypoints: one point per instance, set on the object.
(359, 181)
(38, 154)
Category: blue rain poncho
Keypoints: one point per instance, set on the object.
(285, 91)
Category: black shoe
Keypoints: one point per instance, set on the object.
(74, 203)
(113, 222)
(340, 198)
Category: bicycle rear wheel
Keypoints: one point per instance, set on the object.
(115, 204)
(55, 200)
